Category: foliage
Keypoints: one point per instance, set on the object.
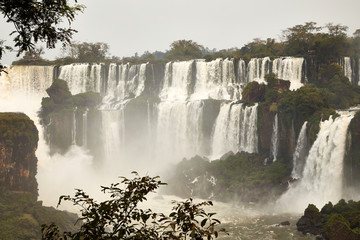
(36, 21)
(184, 50)
(122, 218)
(17, 126)
(21, 216)
(339, 221)
(253, 92)
(86, 52)
(242, 176)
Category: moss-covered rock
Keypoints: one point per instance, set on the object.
(341, 221)
(86, 100)
(21, 216)
(59, 92)
(241, 176)
(337, 227)
(253, 92)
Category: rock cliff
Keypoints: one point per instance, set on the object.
(18, 142)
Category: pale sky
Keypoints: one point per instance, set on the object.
(130, 26)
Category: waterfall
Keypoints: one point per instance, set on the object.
(124, 82)
(257, 69)
(300, 153)
(82, 77)
(235, 130)
(242, 73)
(84, 128)
(73, 130)
(322, 179)
(179, 129)
(346, 64)
(289, 68)
(113, 134)
(215, 79)
(177, 81)
(135, 82)
(275, 139)
(29, 80)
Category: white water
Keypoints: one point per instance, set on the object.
(257, 69)
(289, 68)
(28, 80)
(300, 153)
(54, 172)
(242, 73)
(179, 130)
(82, 77)
(176, 81)
(85, 128)
(347, 68)
(323, 175)
(275, 138)
(214, 80)
(113, 138)
(235, 130)
(178, 123)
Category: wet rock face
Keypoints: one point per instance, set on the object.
(18, 143)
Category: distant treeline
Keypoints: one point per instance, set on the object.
(323, 44)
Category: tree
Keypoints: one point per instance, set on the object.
(121, 218)
(300, 38)
(87, 52)
(34, 54)
(38, 20)
(185, 50)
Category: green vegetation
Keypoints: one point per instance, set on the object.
(242, 176)
(17, 126)
(184, 50)
(32, 25)
(21, 216)
(339, 221)
(122, 218)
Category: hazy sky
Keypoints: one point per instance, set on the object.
(130, 26)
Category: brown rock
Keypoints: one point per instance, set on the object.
(18, 143)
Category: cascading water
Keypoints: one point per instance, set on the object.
(85, 128)
(235, 130)
(29, 80)
(175, 127)
(214, 80)
(346, 64)
(73, 130)
(323, 171)
(257, 69)
(113, 130)
(242, 73)
(82, 77)
(179, 129)
(124, 82)
(177, 81)
(275, 138)
(21, 91)
(289, 68)
(300, 153)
